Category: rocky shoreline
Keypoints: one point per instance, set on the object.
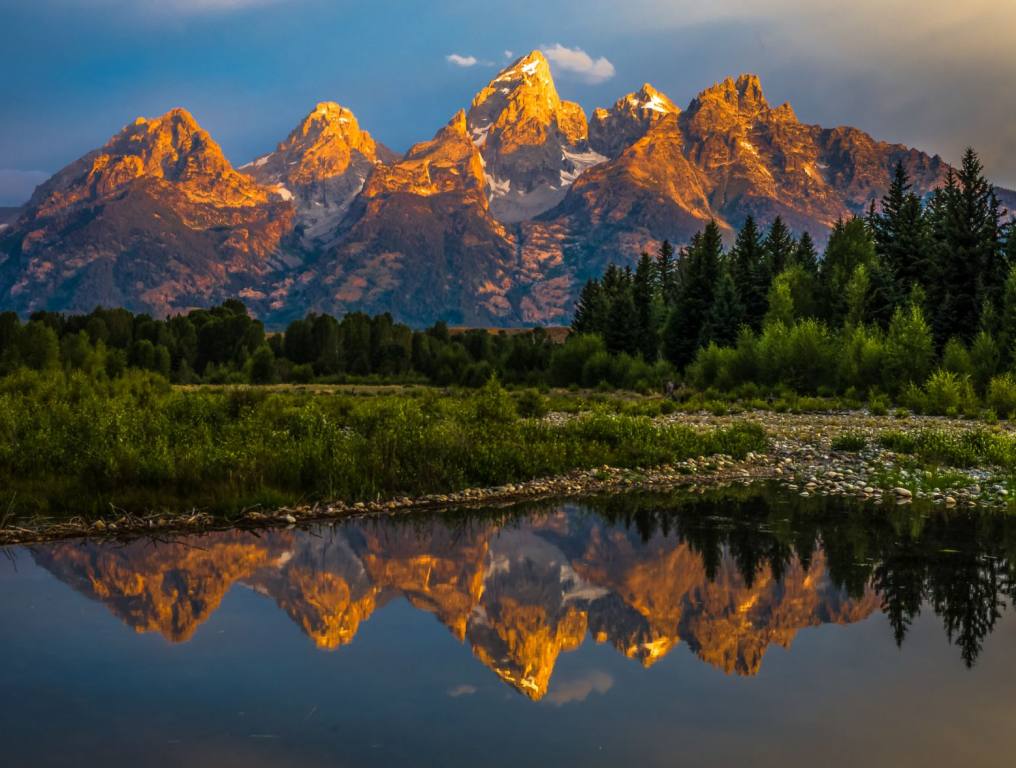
(800, 459)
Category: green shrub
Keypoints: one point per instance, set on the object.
(956, 358)
(568, 361)
(958, 449)
(1002, 395)
(984, 358)
(947, 394)
(878, 404)
(909, 349)
(851, 442)
(531, 404)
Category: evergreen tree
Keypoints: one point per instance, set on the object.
(850, 245)
(781, 303)
(726, 315)
(749, 273)
(666, 274)
(806, 256)
(909, 349)
(779, 246)
(644, 295)
(857, 297)
(1007, 319)
(591, 310)
(970, 263)
(901, 237)
(985, 358)
(622, 331)
(700, 269)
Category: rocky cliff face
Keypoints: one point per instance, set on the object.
(420, 237)
(612, 130)
(534, 145)
(157, 219)
(321, 167)
(498, 220)
(728, 155)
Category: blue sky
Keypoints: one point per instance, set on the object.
(75, 71)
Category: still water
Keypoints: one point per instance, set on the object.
(761, 629)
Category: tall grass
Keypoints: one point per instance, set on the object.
(111, 441)
(955, 449)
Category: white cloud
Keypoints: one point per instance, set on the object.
(508, 54)
(579, 689)
(580, 63)
(461, 61)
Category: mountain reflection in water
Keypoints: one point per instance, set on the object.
(726, 576)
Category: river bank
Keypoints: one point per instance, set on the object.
(841, 454)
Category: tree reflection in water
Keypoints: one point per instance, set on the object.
(728, 574)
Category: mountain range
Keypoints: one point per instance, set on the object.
(496, 221)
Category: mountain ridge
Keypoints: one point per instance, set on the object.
(496, 221)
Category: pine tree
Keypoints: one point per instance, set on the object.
(700, 269)
(970, 263)
(749, 273)
(901, 237)
(1007, 319)
(726, 315)
(806, 256)
(644, 295)
(666, 274)
(591, 310)
(850, 245)
(779, 247)
(622, 331)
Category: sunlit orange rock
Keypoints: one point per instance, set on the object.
(533, 143)
(321, 166)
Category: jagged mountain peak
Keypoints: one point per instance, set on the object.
(648, 98)
(457, 126)
(533, 144)
(629, 119)
(321, 166)
(172, 147)
(744, 94)
(321, 146)
(533, 68)
(517, 106)
(447, 163)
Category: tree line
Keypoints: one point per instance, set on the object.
(916, 293)
(224, 344)
(914, 285)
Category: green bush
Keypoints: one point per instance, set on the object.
(958, 449)
(531, 404)
(878, 404)
(947, 394)
(850, 442)
(1002, 395)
